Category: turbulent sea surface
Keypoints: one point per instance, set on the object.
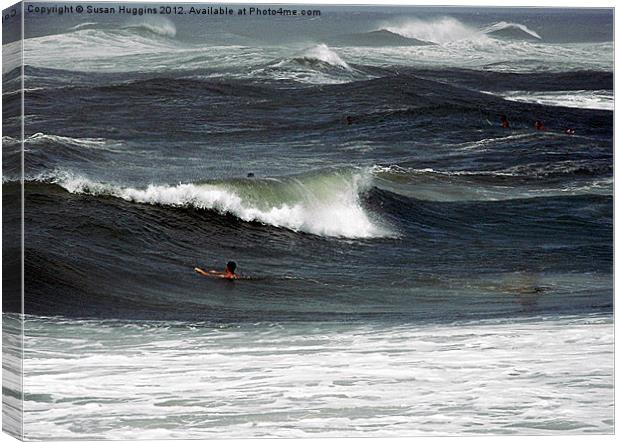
(409, 266)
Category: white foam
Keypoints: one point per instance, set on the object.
(323, 53)
(580, 99)
(91, 143)
(106, 380)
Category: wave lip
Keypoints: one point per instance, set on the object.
(511, 30)
(324, 204)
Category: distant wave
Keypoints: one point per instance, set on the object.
(510, 29)
(86, 25)
(447, 29)
(41, 139)
(325, 203)
(580, 99)
(89, 47)
(156, 25)
(519, 182)
(321, 54)
(317, 65)
(378, 38)
(441, 30)
(161, 26)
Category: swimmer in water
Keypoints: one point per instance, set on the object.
(504, 120)
(539, 125)
(229, 273)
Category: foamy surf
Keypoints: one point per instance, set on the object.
(581, 99)
(321, 204)
(548, 375)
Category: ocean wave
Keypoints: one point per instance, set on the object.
(445, 30)
(160, 26)
(511, 30)
(569, 178)
(86, 25)
(90, 48)
(156, 25)
(324, 204)
(41, 139)
(440, 30)
(58, 146)
(579, 99)
(316, 65)
(322, 54)
(377, 38)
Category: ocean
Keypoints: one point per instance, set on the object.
(408, 265)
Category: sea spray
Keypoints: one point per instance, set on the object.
(441, 30)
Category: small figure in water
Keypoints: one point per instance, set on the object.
(504, 120)
(570, 131)
(250, 175)
(538, 125)
(349, 120)
(229, 273)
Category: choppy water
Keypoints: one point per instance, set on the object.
(405, 258)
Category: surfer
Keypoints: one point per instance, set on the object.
(229, 273)
(504, 120)
(349, 120)
(538, 125)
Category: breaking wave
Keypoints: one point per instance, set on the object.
(324, 203)
(447, 30)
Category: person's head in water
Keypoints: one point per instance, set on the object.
(349, 119)
(231, 266)
(504, 120)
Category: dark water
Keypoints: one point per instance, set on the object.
(419, 206)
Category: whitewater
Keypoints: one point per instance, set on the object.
(306, 380)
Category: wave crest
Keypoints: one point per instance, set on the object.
(322, 54)
(447, 30)
(441, 30)
(156, 25)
